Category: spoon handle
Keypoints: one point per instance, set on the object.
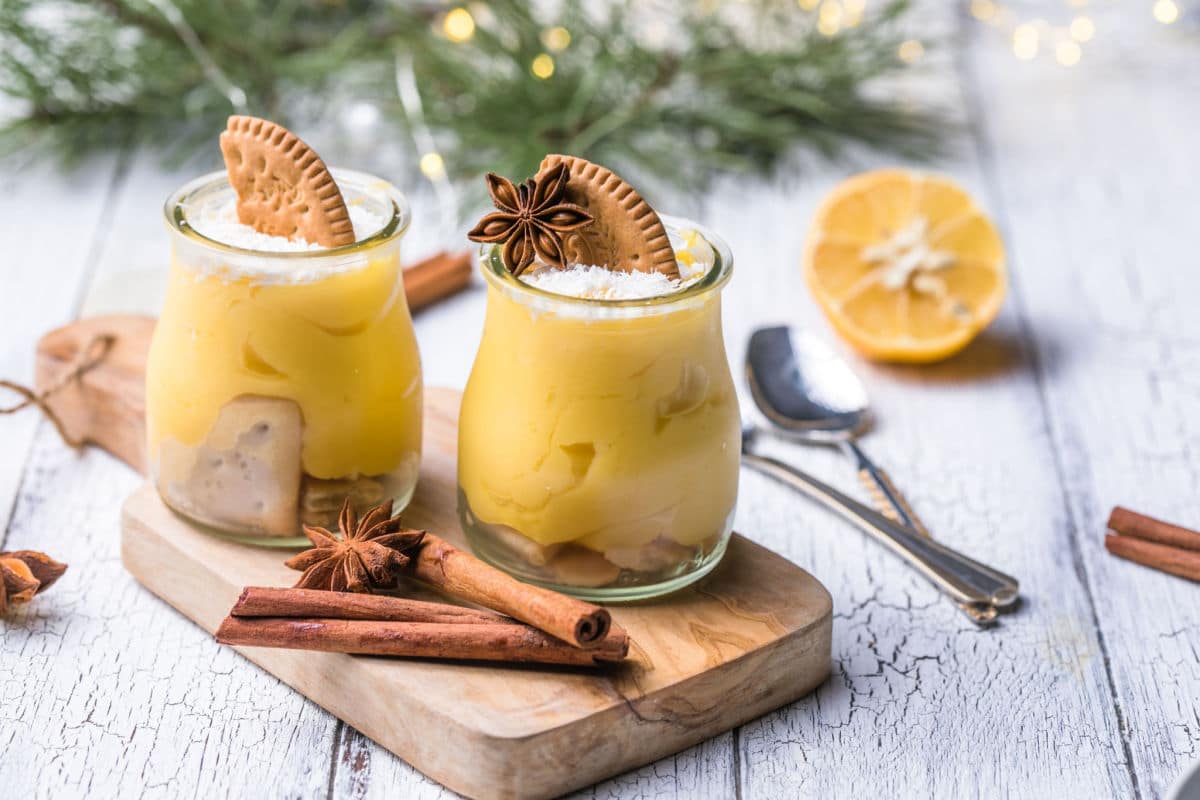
(886, 498)
(963, 578)
(888, 501)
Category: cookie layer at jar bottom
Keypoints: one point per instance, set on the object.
(246, 477)
(626, 572)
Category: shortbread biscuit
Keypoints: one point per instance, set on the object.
(283, 187)
(627, 234)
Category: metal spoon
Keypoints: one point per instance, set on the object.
(806, 393)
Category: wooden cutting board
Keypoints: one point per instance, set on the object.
(752, 636)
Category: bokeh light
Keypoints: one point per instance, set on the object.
(910, 51)
(1025, 41)
(459, 25)
(556, 39)
(542, 66)
(983, 10)
(1067, 53)
(854, 12)
(1082, 29)
(829, 18)
(432, 166)
(1166, 11)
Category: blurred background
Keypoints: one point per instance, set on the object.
(693, 102)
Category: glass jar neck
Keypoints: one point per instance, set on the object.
(202, 252)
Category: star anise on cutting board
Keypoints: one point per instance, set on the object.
(530, 219)
(24, 573)
(362, 556)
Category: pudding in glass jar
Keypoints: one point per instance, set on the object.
(599, 438)
(283, 377)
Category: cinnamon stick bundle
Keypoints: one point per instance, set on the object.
(1140, 526)
(434, 561)
(1153, 543)
(461, 575)
(485, 641)
(265, 601)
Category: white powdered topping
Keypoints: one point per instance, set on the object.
(693, 256)
(219, 222)
(601, 283)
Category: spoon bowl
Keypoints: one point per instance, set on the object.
(803, 389)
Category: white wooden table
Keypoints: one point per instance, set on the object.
(1085, 393)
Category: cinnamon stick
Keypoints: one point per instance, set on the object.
(1176, 561)
(475, 642)
(461, 575)
(438, 276)
(1140, 526)
(265, 601)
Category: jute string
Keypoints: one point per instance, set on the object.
(91, 356)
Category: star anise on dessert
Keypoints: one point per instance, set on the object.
(530, 219)
(24, 573)
(364, 555)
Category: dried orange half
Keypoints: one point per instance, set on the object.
(905, 265)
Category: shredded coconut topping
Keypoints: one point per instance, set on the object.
(219, 222)
(694, 257)
(601, 283)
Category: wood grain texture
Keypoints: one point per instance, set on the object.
(1098, 199)
(366, 771)
(106, 406)
(751, 637)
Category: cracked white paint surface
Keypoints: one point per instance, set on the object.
(1084, 394)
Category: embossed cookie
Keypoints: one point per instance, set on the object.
(626, 234)
(283, 187)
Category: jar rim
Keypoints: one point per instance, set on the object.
(718, 275)
(175, 214)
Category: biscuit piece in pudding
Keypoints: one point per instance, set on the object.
(579, 566)
(321, 499)
(659, 554)
(529, 550)
(246, 473)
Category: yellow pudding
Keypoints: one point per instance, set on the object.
(599, 439)
(281, 383)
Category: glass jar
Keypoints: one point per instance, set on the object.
(281, 383)
(599, 440)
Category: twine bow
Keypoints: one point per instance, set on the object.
(91, 356)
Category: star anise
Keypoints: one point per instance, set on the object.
(24, 573)
(531, 219)
(363, 556)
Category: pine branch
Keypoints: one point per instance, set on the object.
(719, 93)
